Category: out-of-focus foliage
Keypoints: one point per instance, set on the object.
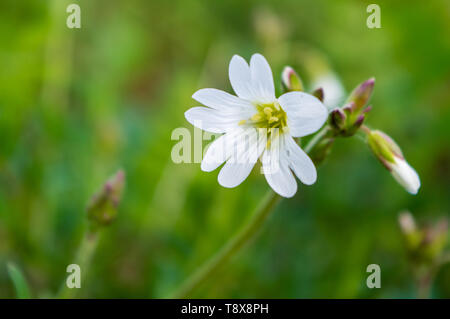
(76, 105)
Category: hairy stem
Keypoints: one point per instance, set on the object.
(236, 243)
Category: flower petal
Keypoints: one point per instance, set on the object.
(406, 176)
(240, 78)
(300, 162)
(220, 150)
(253, 83)
(214, 121)
(305, 113)
(233, 174)
(242, 161)
(262, 79)
(221, 100)
(276, 170)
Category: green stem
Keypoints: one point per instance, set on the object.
(424, 286)
(316, 139)
(236, 243)
(231, 248)
(83, 259)
(424, 280)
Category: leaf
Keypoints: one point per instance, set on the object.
(19, 282)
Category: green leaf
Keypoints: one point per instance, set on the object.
(19, 282)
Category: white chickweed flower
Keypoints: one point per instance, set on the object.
(257, 125)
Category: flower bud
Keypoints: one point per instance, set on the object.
(426, 243)
(361, 94)
(102, 209)
(411, 234)
(390, 155)
(290, 80)
(359, 121)
(338, 119)
(318, 93)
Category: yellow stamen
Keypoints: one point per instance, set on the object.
(242, 122)
(269, 115)
(273, 119)
(256, 117)
(268, 111)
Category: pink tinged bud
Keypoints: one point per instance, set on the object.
(318, 93)
(348, 108)
(361, 94)
(390, 155)
(290, 80)
(337, 119)
(103, 206)
(359, 121)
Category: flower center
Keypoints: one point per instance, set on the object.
(269, 116)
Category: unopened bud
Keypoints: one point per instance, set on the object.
(318, 93)
(361, 94)
(412, 235)
(102, 209)
(390, 155)
(425, 243)
(359, 121)
(290, 80)
(337, 119)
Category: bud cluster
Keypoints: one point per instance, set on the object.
(347, 120)
(425, 245)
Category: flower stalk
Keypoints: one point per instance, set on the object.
(235, 244)
(101, 211)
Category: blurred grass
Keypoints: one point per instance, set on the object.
(75, 105)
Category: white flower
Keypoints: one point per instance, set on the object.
(257, 125)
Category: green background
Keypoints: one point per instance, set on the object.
(78, 104)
